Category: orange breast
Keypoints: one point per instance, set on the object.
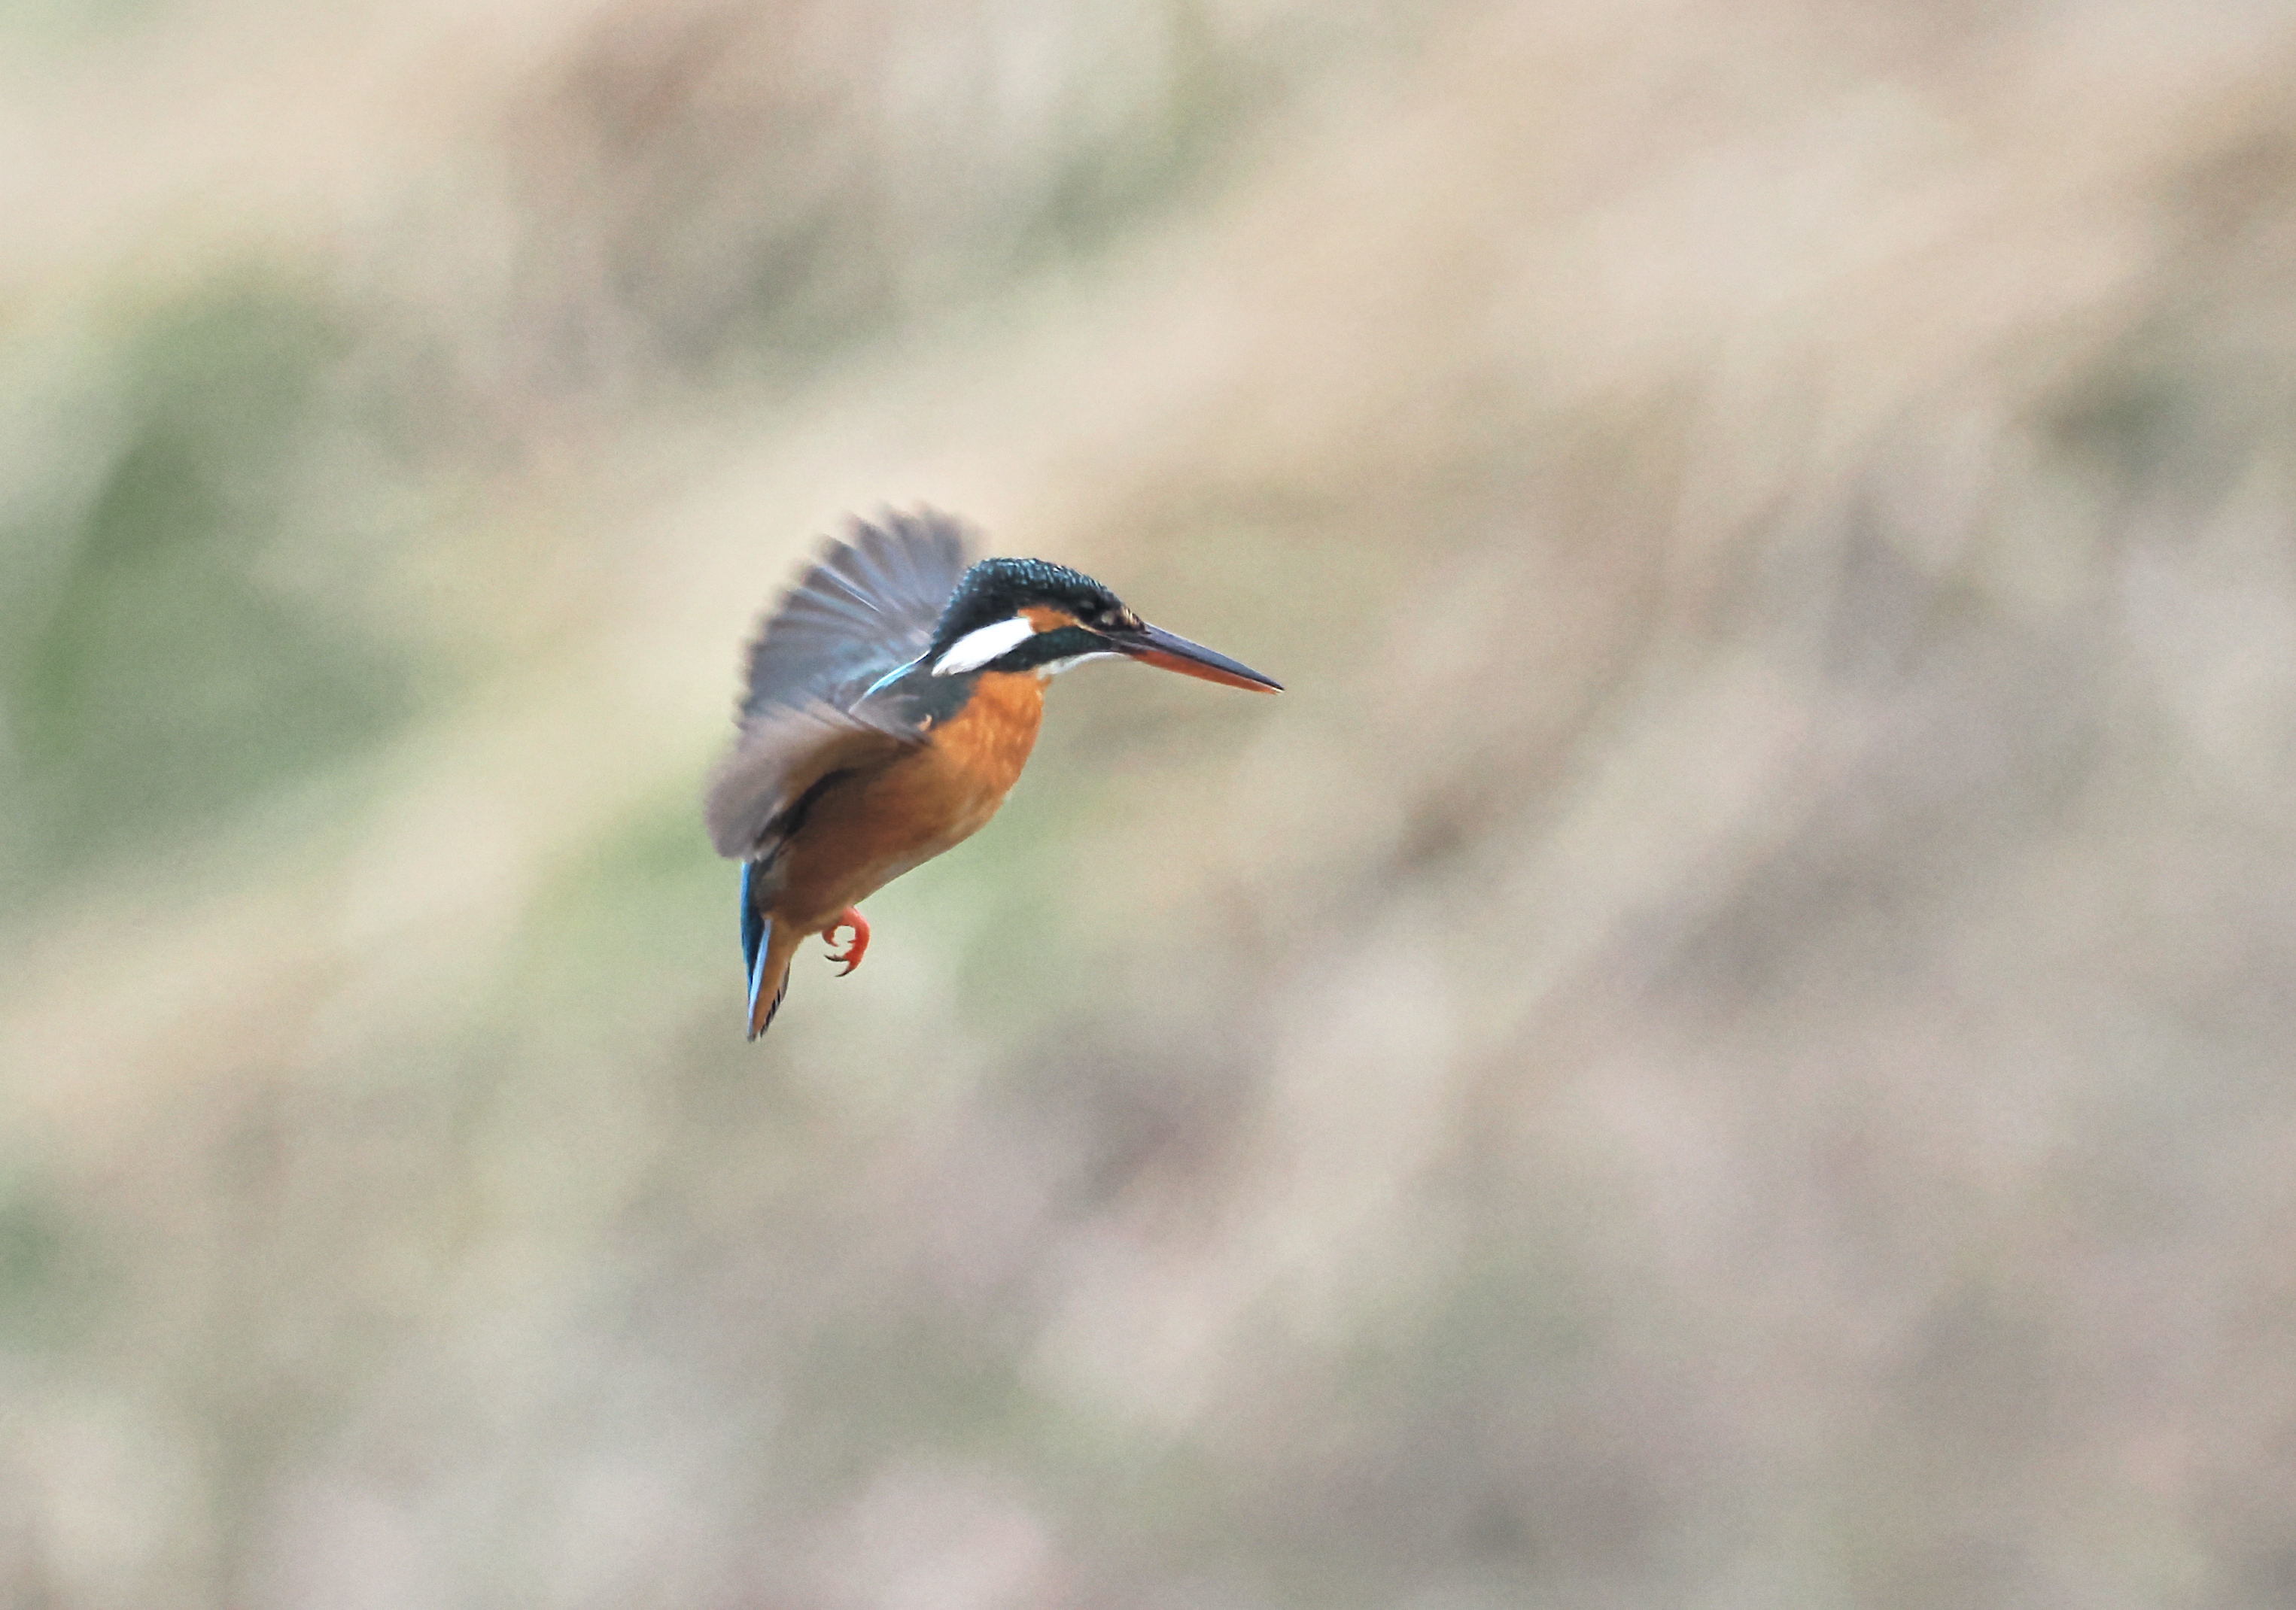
(863, 834)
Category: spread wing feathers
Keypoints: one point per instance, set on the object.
(757, 793)
(869, 605)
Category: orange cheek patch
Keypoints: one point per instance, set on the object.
(1046, 618)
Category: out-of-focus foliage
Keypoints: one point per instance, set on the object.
(170, 654)
(1726, 1045)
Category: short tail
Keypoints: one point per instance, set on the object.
(767, 949)
(769, 975)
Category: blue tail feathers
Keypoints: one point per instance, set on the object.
(758, 988)
(758, 955)
(753, 923)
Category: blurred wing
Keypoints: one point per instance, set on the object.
(870, 605)
(867, 607)
(760, 794)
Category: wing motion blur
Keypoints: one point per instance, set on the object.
(868, 608)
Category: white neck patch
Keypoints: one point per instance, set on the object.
(1054, 667)
(983, 644)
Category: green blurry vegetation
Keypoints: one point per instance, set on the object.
(609, 911)
(63, 23)
(158, 665)
(47, 1271)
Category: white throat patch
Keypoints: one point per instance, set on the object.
(1054, 667)
(983, 644)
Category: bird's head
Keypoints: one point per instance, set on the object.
(1031, 615)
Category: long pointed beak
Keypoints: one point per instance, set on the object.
(1154, 646)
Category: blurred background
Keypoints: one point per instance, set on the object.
(1727, 1045)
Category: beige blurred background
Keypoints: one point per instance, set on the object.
(1729, 1044)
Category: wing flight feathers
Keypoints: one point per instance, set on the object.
(868, 606)
(781, 755)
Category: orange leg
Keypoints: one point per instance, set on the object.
(850, 918)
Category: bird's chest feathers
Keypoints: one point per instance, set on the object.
(980, 750)
(866, 833)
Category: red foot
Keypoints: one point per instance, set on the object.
(850, 918)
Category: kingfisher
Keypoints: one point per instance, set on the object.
(892, 699)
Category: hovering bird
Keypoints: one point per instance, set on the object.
(893, 698)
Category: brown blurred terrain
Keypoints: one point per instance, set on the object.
(1727, 1045)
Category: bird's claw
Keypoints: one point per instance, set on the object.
(850, 918)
